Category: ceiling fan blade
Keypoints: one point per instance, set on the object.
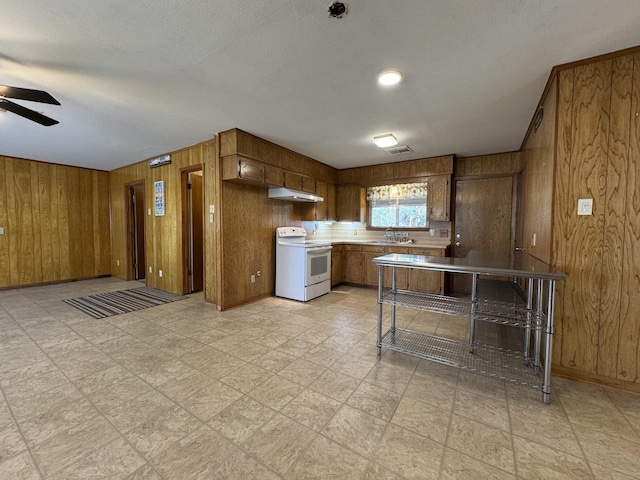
(27, 94)
(26, 113)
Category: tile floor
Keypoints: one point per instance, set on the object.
(277, 390)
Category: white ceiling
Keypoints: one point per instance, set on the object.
(141, 78)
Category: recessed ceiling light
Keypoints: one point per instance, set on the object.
(385, 141)
(389, 77)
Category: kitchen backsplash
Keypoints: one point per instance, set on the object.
(357, 231)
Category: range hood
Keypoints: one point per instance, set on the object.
(293, 195)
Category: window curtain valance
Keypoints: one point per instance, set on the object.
(399, 191)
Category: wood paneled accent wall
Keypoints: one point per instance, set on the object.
(597, 155)
(55, 220)
(245, 239)
(372, 175)
(163, 234)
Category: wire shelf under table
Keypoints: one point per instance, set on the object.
(488, 360)
(504, 313)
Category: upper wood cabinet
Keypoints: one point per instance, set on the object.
(439, 198)
(322, 212)
(293, 180)
(350, 203)
(307, 184)
(236, 167)
(273, 176)
(330, 200)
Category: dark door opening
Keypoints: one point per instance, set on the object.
(193, 237)
(136, 232)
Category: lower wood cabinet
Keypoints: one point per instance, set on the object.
(337, 267)
(370, 268)
(426, 281)
(353, 264)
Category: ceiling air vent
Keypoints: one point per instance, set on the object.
(400, 149)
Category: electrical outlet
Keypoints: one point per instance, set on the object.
(148, 211)
(150, 269)
(118, 263)
(533, 240)
(355, 232)
(253, 279)
(585, 206)
(1, 230)
(160, 273)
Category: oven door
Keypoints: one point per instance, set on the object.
(318, 265)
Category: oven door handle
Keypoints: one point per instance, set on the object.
(318, 249)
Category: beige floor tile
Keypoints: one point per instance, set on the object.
(423, 419)
(353, 366)
(322, 356)
(356, 430)
(279, 443)
(437, 372)
(582, 392)
(313, 336)
(325, 459)
(136, 411)
(276, 392)
(482, 442)
(272, 339)
(301, 371)
(120, 393)
(458, 466)
(247, 378)
(551, 431)
(409, 454)
(179, 388)
(240, 466)
(389, 378)
(210, 400)
(241, 419)
(376, 471)
(11, 442)
(335, 385)
(197, 456)
(435, 393)
(112, 461)
(609, 451)
(40, 403)
(250, 351)
(483, 409)
(103, 379)
(70, 445)
(535, 461)
(160, 431)
(20, 467)
(311, 409)
(604, 473)
(605, 420)
(487, 386)
(375, 401)
(146, 472)
(274, 361)
(28, 373)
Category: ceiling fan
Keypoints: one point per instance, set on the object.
(30, 95)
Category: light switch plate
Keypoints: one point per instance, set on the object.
(585, 206)
(212, 209)
(1, 230)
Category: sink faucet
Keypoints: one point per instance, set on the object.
(390, 235)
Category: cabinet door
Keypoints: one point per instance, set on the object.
(307, 184)
(250, 170)
(438, 198)
(337, 270)
(349, 203)
(330, 200)
(353, 263)
(293, 180)
(273, 176)
(322, 207)
(370, 268)
(426, 281)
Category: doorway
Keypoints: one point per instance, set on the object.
(136, 260)
(193, 223)
(484, 220)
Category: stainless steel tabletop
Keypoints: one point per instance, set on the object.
(519, 264)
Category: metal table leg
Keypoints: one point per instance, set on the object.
(472, 317)
(379, 333)
(546, 385)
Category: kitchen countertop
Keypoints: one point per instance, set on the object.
(442, 244)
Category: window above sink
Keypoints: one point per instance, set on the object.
(397, 206)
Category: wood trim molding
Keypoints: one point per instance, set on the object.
(572, 374)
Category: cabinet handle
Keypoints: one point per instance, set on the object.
(458, 244)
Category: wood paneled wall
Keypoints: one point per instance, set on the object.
(56, 223)
(488, 165)
(597, 154)
(409, 169)
(163, 234)
(536, 184)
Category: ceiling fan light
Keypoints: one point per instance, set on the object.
(389, 77)
(385, 141)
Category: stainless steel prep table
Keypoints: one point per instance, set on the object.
(509, 305)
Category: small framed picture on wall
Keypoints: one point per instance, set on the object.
(158, 190)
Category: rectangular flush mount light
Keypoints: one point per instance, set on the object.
(385, 141)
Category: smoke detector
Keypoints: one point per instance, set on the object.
(337, 10)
